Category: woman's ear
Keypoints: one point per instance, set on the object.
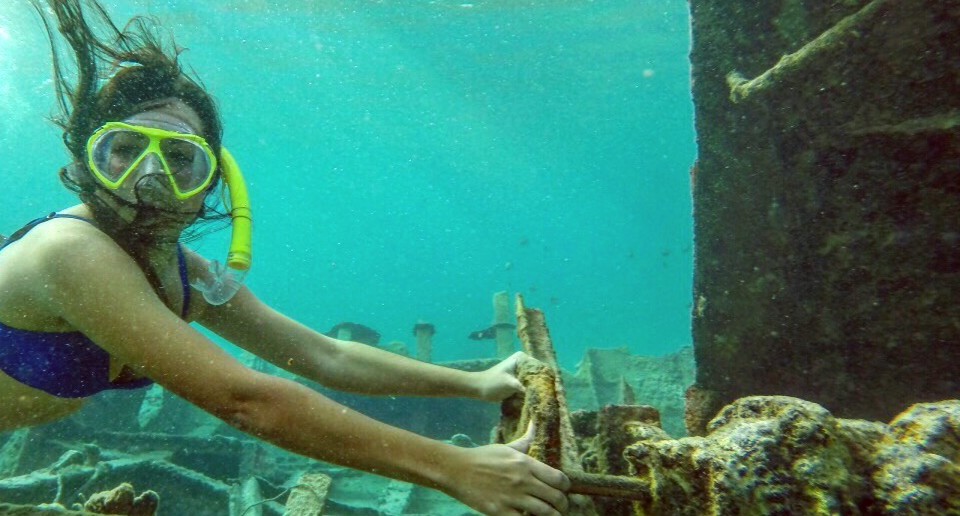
(71, 170)
(75, 171)
(75, 175)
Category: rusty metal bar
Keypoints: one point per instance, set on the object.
(533, 332)
(834, 40)
(614, 486)
(545, 403)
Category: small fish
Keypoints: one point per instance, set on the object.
(489, 333)
(2, 240)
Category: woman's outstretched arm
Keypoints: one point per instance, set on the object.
(344, 365)
(99, 290)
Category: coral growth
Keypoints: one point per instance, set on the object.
(781, 455)
(124, 501)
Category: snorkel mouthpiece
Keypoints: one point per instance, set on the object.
(221, 283)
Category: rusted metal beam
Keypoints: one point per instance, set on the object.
(545, 404)
(533, 333)
(825, 47)
(614, 486)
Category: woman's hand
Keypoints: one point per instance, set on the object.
(501, 479)
(500, 381)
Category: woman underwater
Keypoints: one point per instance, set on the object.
(100, 295)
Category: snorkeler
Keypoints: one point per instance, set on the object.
(100, 295)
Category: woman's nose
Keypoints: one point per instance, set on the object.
(150, 181)
(149, 166)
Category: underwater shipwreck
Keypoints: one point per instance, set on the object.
(825, 367)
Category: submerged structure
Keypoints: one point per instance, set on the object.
(761, 455)
(826, 196)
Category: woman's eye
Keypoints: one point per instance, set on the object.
(179, 160)
(126, 150)
(179, 154)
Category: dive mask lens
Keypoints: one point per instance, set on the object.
(189, 164)
(115, 153)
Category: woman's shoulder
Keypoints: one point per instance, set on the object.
(60, 236)
(59, 247)
(31, 267)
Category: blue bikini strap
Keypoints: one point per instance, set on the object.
(184, 281)
(18, 234)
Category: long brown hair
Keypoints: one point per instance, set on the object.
(119, 72)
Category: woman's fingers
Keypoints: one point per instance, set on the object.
(549, 484)
(522, 444)
(498, 480)
(550, 476)
(536, 506)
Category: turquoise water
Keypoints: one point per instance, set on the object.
(408, 159)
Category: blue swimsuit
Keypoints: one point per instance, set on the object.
(66, 364)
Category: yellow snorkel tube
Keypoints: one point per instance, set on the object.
(221, 283)
(240, 256)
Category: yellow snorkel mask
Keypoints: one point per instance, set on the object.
(116, 150)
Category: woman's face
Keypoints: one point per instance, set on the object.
(148, 184)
